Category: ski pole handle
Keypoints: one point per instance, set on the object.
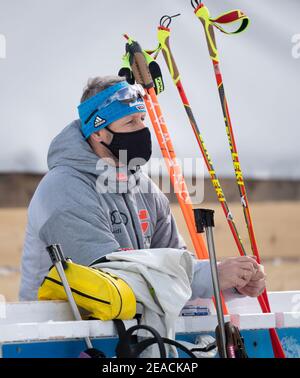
(204, 218)
(56, 255)
(164, 41)
(209, 23)
(203, 14)
(139, 64)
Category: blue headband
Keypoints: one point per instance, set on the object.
(95, 114)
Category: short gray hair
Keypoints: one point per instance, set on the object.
(98, 84)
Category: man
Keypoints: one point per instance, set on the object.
(96, 200)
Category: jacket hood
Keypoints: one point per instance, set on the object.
(70, 149)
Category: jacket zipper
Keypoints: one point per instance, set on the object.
(133, 224)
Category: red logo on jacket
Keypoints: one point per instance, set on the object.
(144, 219)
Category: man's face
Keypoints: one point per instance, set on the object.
(130, 123)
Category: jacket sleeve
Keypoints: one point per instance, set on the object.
(202, 282)
(166, 234)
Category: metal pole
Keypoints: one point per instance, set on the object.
(216, 286)
(204, 219)
(59, 261)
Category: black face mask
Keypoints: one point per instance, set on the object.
(137, 144)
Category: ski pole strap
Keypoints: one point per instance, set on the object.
(209, 23)
(126, 71)
(232, 17)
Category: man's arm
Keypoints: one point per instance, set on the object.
(238, 276)
(236, 272)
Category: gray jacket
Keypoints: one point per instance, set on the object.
(82, 206)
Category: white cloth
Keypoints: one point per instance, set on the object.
(161, 280)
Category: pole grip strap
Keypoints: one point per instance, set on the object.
(230, 18)
(210, 23)
(227, 18)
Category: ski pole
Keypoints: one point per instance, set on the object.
(143, 77)
(60, 263)
(204, 219)
(164, 45)
(176, 180)
(203, 14)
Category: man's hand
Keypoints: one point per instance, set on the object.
(240, 272)
(256, 285)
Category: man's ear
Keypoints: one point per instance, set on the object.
(97, 136)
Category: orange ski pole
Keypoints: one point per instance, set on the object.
(177, 181)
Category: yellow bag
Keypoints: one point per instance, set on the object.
(104, 295)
